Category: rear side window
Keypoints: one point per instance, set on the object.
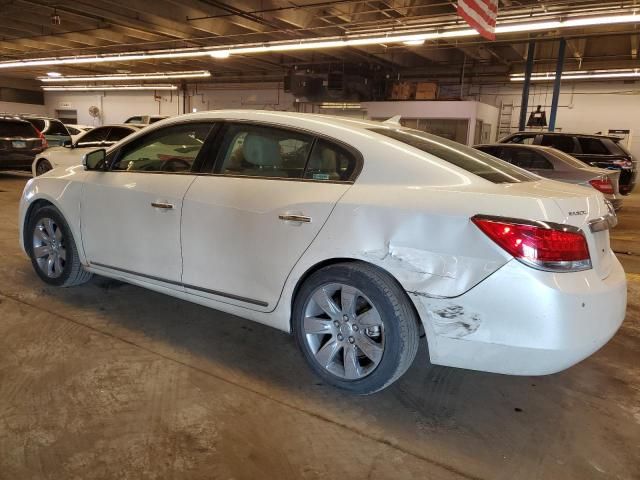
(615, 148)
(73, 131)
(258, 151)
(495, 151)
(522, 139)
(38, 123)
(564, 143)
(592, 146)
(527, 159)
(118, 133)
(93, 137)
(133, 120)
(469, 159)
(330, 162)
(17, 129)
(57, 128)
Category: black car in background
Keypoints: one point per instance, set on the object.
(54, 130)
(20, 142)
(595, 150)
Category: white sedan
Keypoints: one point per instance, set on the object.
(70, 155)
(358, 237)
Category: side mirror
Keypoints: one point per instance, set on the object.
(67, 143)
(94, 160)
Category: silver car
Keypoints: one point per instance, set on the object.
(552, 163)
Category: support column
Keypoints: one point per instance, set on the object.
(524, 103)
(556, 85)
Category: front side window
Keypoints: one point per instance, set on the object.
(171, 149)
(260, 151)
(474, 161)
(93, 138)
(329, 161)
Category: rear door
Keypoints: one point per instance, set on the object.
(246, 225)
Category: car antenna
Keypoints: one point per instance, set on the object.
(395, 120)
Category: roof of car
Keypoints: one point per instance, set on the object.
(567, 134)
(12, 119)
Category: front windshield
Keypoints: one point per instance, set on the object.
(472, 160)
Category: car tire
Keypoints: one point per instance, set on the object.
(363, 344)
(42, 167)
(52, 249)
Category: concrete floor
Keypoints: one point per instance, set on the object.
(109, 380)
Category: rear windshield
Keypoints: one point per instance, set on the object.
(38, 123)
(566, 158)
(16, 129)
(472, 160)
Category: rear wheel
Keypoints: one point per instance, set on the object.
(52, 249)
(43, 166)
(355, 326)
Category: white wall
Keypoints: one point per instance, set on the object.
(115, 107)
(583, 107)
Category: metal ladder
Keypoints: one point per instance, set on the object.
(504, 120)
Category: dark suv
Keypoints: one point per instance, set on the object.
(20, 142)
(594, 150)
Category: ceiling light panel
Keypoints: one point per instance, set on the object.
(128, 76)
(92, 88)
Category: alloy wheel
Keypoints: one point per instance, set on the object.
(344, 331)
(49, 247)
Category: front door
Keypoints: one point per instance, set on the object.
(131, 214)
(244, 228)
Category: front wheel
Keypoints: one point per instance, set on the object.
(42, 167)
(52, 249)
(355, 326)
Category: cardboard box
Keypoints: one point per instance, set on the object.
(426, 91)
(403, 91)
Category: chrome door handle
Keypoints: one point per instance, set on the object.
(294, 218)
(164, 206)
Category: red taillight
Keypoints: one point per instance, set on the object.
(602, 184)
(43, 139)
(557, 249)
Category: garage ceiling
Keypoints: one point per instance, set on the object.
(29, 29)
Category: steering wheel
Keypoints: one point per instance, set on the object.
(170, 165)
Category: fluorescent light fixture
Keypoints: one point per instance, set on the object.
(554, 21)
(621, 73)
(54, 74)
(414, 43)
(128, 76)
(93, 88)
(340, 105)
(220, 54)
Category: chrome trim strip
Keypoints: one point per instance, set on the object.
(190, 287)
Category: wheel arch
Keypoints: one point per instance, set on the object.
(338, 260)
(33, 207)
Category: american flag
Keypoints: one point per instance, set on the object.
(480, 15)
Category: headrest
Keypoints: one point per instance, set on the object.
(261, 150)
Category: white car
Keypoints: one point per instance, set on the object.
(355, 236)
(70, 155)
(76, 131)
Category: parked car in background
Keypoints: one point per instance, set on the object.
(552, 163)
(595, 150)
(20, 142)
(71, 153)
(54, 130)
(301, 222)
(77, 130)
(145, 119)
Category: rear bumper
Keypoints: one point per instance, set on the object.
(17, 159)
(521, 321)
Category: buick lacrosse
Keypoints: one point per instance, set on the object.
(357, 237)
